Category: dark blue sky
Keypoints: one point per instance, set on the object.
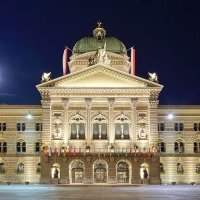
(166, 34)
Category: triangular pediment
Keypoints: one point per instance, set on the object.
(99, 76)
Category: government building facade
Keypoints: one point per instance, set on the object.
(99, 124)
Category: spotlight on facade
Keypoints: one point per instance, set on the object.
(170, 116)
(29, 116)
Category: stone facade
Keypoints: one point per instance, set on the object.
(99, 125)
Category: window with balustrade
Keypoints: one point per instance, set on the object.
(99, 127)
(122, 127)
(77, 124)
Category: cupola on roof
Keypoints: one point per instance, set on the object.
(87, 44)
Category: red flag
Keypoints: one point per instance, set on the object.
(132, 61)
(65, 61)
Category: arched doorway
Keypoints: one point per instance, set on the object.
(55, 171)
(100, 171)
(123, 172)
(144, 173)
(76, 171)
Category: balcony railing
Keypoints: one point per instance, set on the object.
(75, 151)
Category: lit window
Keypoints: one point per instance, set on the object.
(122, 127)
(77, 127)
(99, 127)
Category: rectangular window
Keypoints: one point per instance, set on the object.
(38, 126)
(178, 126)
(161, 127)
(196, 126)
(2, 126)
(21, 126)
(37, 147)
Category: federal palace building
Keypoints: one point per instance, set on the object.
(99, 124)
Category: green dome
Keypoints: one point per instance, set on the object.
(88, 44)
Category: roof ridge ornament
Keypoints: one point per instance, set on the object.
(99, 32)
(153, 77)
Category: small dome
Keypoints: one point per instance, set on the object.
(98, 40)
(88, 44)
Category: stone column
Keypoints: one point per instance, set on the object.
(133, 132)
(46, 122)
(88, 109)
(153, 120)
(110, 121)
(66, 121)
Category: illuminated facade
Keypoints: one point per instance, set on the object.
(99, 125)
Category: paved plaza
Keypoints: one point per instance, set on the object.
(49, 192)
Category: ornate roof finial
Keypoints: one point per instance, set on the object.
(99, 32)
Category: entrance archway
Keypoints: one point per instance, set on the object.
(76, 171)
(55, 171)
(123, 172)
(144, 173)
(100, 170)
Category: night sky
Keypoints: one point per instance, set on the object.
(166, 34)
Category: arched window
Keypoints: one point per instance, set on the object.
(179, 147)
(55, 171)
(99, 127)
(198, 168)
(179, 169)
(100, 171)
(123, 173)
(144, 173)
(21, 147)
(3, 147)
(57, 128)
(77, 124)
(38, 169)
(162, 146)
(122, 127)
(20, 168)
(196, 147)
(76, 171)
(2, 168)
(162, 168)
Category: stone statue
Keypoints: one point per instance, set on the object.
(46, 77)
(153, 77)
(101, 57)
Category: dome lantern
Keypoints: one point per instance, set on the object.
(99, 32)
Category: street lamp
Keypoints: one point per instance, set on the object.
(170, 116)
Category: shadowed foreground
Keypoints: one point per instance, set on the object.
(46, 192)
